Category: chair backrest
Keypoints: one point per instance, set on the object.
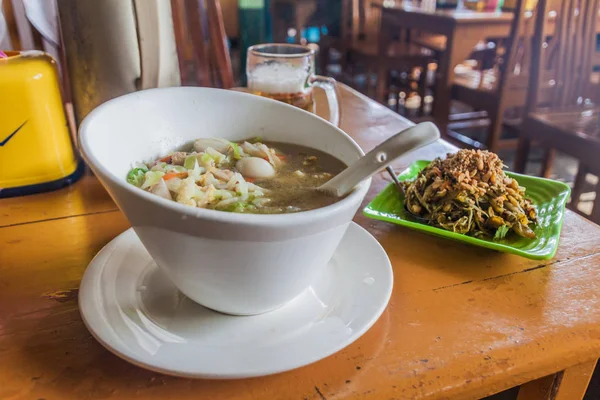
(22, 35)
(201, 43)
(515, 46)
(561, 66)
(360, 20)
(509, 57)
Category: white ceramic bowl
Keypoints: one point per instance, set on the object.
(234, 263)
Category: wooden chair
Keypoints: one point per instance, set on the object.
(201, 43)
(340, 42)
(561, 113)
(378, 52)
(494, 87)
(22, 35)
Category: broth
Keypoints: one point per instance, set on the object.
(291, 190)
(247, 177)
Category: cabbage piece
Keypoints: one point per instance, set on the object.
(175, 168)
(159, 166)
(196, 172)
(215, 155)
(190, 161)
(205, 161)
(239, 207)
(187, 191)
(223, 194)
(237, 151)
(161, 189)
(242, 186)
(152, 178)
(174, 184)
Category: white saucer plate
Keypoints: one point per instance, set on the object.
(135, 311)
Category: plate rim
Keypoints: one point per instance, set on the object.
(89, 279)
(371, 212)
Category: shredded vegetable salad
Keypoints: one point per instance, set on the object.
(469, 193)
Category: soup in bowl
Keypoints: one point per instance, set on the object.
(241, 262)
(245, 177)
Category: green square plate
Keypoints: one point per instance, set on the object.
(549, 196)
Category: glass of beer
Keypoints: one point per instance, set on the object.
(286, 72)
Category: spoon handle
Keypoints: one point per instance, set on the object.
(380, 157)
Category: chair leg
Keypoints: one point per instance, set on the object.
(495, 130)
(582, 171)
(278, 25)
(522, 154)
(298, 24)
(422, 87)
(372, 91)
(382, 72)
(349, 69)
(323, 59)
(344, 54)
(547, 161)
(569, 384)
(596, 207)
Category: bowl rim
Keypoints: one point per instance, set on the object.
(301, 217)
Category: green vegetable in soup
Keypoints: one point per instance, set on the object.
(152, 178)
(189, 162)
(236, 207)
(136, 176)
(175, 168)
(236, 151)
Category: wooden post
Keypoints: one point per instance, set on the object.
(569, 384)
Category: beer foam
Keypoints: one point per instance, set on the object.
(277, 78)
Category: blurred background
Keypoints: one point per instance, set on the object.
(518, 77)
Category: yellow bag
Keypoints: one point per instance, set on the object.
(36, 151)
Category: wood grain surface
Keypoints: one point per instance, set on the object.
(462, 322)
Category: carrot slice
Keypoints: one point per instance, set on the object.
(166, 159)
(172, 175)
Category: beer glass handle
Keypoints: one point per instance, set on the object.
(330, 88)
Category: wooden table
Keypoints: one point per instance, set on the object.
(462, 323)
(463, 29)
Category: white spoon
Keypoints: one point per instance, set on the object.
(380, 157)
